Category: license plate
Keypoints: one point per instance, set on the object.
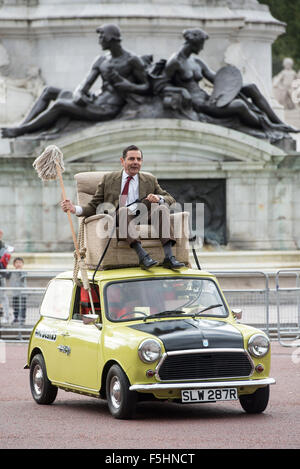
(209, 395)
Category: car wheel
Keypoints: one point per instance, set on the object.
(43, 392)
(121, 401)
(257, 402)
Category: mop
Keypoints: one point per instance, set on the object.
(50, 165)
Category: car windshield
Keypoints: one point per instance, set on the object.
(175, 297)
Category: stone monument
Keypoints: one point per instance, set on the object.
(286, 89)
(283, 84)
(16, 94)
(133, 88)
(255, 180)
(43, 33)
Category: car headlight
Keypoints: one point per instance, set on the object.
(258, 345)
(149, 351)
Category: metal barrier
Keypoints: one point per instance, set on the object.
(276, 311)
(254, 302)
(19, 306)
(19, 311)
(288, 307)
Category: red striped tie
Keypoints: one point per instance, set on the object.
(125, 191)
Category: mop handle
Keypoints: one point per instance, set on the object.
(68, 212)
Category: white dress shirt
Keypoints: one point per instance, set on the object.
(133, 190)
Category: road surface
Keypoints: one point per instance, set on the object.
(75, 421)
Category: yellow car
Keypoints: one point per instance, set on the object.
(154, 334)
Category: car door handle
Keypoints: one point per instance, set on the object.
(64, 349)
(65, 334)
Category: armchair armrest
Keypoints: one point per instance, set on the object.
(97, 217)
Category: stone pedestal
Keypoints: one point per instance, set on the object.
(58, 37)
(262, 181)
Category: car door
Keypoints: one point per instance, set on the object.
(51, 330)
(81, 349)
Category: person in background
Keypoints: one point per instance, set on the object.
(4, 260)
(1, 242)
(18, 280)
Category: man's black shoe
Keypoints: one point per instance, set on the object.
(147, 262)
(172, 263)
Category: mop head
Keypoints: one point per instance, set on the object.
(45, 164)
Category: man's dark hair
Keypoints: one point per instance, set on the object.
(131, 148)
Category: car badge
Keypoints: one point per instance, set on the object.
(205, 342)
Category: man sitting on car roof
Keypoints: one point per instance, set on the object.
(125, 188)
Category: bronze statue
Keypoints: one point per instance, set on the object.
(184, 71)
(134, 88)
(124, 78)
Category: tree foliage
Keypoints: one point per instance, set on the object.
(288, 44)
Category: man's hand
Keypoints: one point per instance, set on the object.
(67, 205)
(153, 198)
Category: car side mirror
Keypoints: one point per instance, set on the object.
(91, 319)
(237, 313)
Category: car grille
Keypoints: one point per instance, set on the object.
(205, 365)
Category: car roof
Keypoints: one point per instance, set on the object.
(137, 272)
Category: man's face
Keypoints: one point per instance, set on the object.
(1, 234)
(132, 163)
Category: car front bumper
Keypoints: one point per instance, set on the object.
(206, 384)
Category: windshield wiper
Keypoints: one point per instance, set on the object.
(164, 313)
(207, 308)
(179, 312)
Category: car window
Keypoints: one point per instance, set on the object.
(57, 299)
(82, 304)
(139, 299)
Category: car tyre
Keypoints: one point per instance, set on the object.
(43, 392)
(121, 401)
(257, 402)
